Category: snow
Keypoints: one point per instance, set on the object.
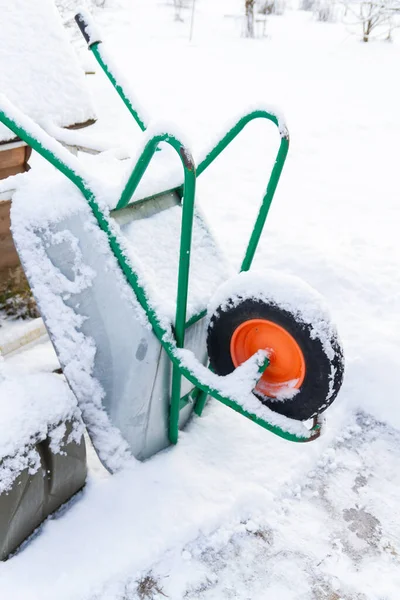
(311, 544)
(7, 185)
(153, 246)
(133, 518)
(233, 511)
(20, 120)
(15, 333)
(32, 408)
(83, 139)
(41, 75)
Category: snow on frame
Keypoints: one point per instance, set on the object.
(39, 71)
(236, 117)
(32, 128)
(76, 351)
(104, 174)
(238, 387)
(288, 292)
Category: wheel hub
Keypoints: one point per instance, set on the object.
(287, 365)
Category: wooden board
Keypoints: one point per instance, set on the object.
(8, 254)
(14, 161)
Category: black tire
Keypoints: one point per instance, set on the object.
(323, 377)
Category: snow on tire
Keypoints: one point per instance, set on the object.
(288, 318)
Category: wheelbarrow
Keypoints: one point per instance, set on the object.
(143, 349)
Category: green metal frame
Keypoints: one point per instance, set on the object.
(173, 339)
(98, 51)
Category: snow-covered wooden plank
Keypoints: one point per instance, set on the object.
(17, 335)
(40, 72)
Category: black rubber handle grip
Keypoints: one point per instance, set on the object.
(88, 29)
(82, 24)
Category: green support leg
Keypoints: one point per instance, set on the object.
(201, 402)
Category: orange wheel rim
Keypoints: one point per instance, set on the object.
(287, 366)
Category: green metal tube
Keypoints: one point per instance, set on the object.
(140, 169)
(274, 179)
(99, 54)
(187, 217)
(34, 143)
(265, 206)
(195, 318)
(184, 254)
(175, 405)
(184, 259)
(144, 160)
(200, 403)
(182, 293)
(234, 131)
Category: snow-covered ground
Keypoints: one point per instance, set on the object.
(232, 511)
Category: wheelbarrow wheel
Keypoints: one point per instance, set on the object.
(306, 369)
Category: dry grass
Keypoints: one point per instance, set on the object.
(148, 588)
(16, 300)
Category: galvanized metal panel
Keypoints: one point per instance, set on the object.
(129, 364)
